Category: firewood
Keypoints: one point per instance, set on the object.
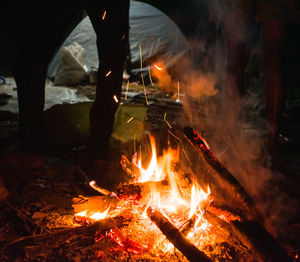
(220, 224)
(191, 252)
(135, 193)
(62, 236)
(95, 203)
(262, 244)
(226, 177)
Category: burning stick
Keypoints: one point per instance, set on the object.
(191, 252)
(200, 145)
(187, 227)
(100, 189)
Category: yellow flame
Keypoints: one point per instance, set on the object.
(98, 216)
(197, 196)
(81, 214)
(169, 199)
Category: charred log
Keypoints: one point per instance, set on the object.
(191, 252)
(200, 145)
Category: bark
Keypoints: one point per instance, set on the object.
(223, 174)
(191, 252)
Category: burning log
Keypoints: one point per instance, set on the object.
(263, 246)
(201, 146)
(224, 227)
(133, 193)
(191, 252)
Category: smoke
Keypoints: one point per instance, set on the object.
(230, 121)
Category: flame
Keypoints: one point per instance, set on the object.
(160, 72)
(180, 202)
(81, 214)
(171, 199)
(197, 196)
(98, 216)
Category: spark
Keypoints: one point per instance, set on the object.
(169, 125)
(141, 61)
(127, 86)
(123, 37)
(141, 58)
(178, 86)
(129, 119)
(134, 143)
(108, 73)
(144, 88)
(175, 136)
(116, 99)
(150, 76)
(104, 14)
(185, 154)
(158, 68)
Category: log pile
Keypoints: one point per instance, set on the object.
(250, 234)
(246, 236)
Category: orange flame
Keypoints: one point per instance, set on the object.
(171, 200)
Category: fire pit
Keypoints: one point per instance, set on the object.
(163, 213)
(170, 216)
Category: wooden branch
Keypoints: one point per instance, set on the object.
(220, 224)
(62, 235)
(191, 252)
(24, 217)
(208, 157)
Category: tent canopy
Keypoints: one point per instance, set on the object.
(150, 28)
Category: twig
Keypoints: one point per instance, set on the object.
(20, 214)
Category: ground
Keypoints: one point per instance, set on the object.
(41, 188)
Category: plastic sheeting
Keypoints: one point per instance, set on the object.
(149, 27)
(53, 95)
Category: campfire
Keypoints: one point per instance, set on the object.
(163, 213)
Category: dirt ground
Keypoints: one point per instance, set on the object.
(41, 187)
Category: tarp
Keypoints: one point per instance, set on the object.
(149, 27)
